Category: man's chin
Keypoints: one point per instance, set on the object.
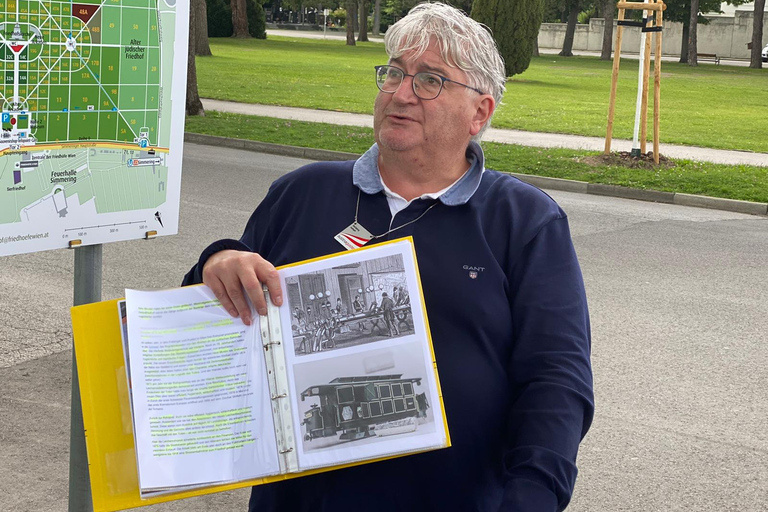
(396, 142)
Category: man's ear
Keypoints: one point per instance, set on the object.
(484, 108)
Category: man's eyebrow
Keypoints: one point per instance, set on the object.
(423, 67)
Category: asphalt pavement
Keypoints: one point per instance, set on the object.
(680, 337)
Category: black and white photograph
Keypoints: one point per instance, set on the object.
(349, 305)
(364, 398)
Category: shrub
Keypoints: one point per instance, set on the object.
(220, 18)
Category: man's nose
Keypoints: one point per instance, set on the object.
(404, 93)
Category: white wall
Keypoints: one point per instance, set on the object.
(725, 36)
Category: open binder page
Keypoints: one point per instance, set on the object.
(359, 358)
(201, 415)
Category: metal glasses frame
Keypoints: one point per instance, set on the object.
(413, 82)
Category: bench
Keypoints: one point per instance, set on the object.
(708, 56)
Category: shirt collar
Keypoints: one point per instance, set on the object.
(366, 177)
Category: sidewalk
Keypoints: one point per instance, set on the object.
(544, 140)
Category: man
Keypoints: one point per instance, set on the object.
(502, 286)
(357, 305)
(387, 306)
(396, 295)
(298, 314)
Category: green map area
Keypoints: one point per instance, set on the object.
(85, 112)
(80, 71)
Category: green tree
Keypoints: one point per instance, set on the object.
(193, 107)
(239, 19)
(515, 27)
(362, 7)
(201, 27)
(609, 9)
(570, 29)
(755, 58)
(220, 18)
(257, 20)
(351, 8)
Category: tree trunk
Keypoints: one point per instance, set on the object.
(692, 25)
(755, 58)
(376, 17)
(536, 47)
(350, 8)
(605, 51)
(570, 31)
(201, 27)
(684, 45)
(362, 7)
(194, 106)
(239, 19)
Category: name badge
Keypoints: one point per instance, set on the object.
(353, 236)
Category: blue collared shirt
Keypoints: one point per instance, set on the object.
(366, 176)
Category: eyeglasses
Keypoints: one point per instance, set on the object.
(426, 86)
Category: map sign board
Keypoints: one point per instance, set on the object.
(92, 130)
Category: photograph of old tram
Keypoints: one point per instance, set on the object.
(351, 408)
(349, 305)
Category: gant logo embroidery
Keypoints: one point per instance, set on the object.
(473, 271)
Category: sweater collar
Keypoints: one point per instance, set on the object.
(366, 177)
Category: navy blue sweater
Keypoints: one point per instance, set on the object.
(512, 344)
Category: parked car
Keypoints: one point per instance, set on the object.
(765, 53)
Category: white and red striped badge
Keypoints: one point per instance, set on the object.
(353, 236)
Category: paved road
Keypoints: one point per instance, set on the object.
(680, 344)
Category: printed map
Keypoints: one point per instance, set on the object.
(90, 146)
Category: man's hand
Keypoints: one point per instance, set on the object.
(232, 274)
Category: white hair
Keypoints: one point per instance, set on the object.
(463, 43)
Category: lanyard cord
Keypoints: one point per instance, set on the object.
(357, 208)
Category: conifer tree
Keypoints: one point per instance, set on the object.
(515, 26)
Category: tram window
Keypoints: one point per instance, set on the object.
(399, 405)
(345, 394)
(366, 410)
(360, 394)
(375, 409)
(410, 403)
(384, 391)
(386, 406)
(370, 392)
(397, 390)
(407, 388)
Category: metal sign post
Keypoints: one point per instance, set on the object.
(88, 266)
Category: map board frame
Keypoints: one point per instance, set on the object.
(92, 104)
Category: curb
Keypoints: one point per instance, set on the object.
(580, 187)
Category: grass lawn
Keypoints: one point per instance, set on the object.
(735, 182)
(712, 106)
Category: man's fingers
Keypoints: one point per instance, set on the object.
(268, 275)
(234, 290)
(236, 276)
(250, 283)
(218, 289)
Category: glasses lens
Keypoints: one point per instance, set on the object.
(388, 78)
(427, 85)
